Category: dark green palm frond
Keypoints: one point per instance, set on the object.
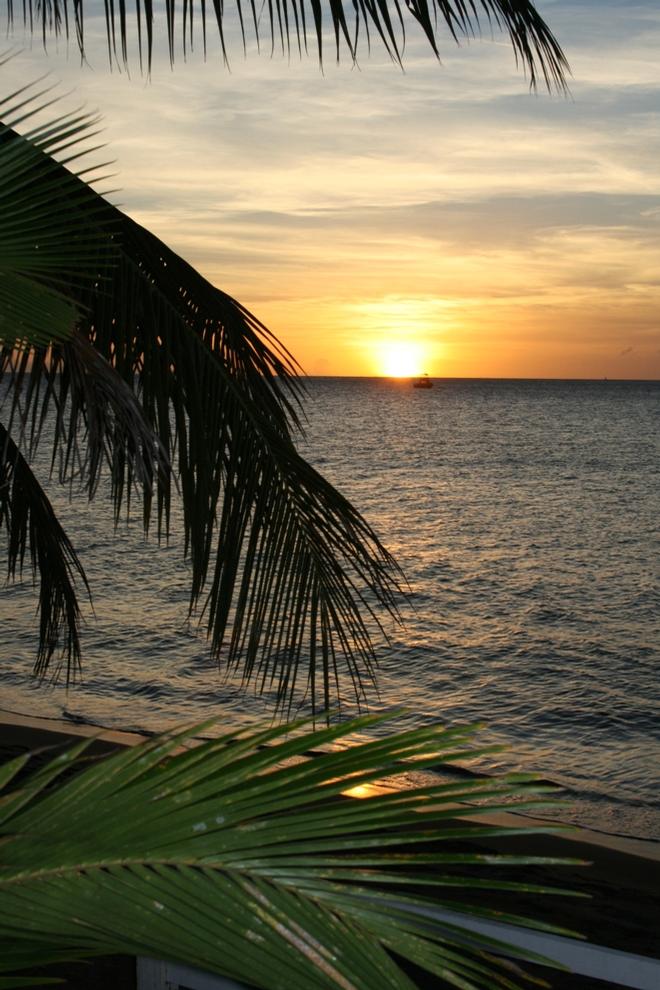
(29, 522)
(291, 555)
(298, 21)
(37, 201)
(241, 857)
(289, 572)
(96, 418)
(51, 250)
(296, 572)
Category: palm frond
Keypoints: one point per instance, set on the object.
(242, 857)
(97, 419)
(30, 524)
(51, 249)
(166, 369)
(37, 201)
(301, 23)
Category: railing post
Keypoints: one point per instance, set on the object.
(152, 974)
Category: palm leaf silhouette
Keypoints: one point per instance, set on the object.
(30, 523)
(298, 23)
(164, 376)
(37, 201)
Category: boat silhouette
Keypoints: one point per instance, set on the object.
(422, 382)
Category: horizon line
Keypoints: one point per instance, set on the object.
(484, 378)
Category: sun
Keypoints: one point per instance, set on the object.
(401, 359)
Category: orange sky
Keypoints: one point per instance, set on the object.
(444, 215)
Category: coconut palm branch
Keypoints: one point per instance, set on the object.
(296, 23)
(242, 856)
(163, 374)
(37, 268)
(29, 522)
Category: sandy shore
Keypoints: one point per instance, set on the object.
(622, 880)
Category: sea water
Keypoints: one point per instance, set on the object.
(525, 515)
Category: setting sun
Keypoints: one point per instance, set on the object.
(401, 359)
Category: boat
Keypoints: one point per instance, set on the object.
(422, 382)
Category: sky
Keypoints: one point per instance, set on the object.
(441, 219)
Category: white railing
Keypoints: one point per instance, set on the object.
(154, 974)
(582, 958)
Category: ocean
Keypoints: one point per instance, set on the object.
(526, 517)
